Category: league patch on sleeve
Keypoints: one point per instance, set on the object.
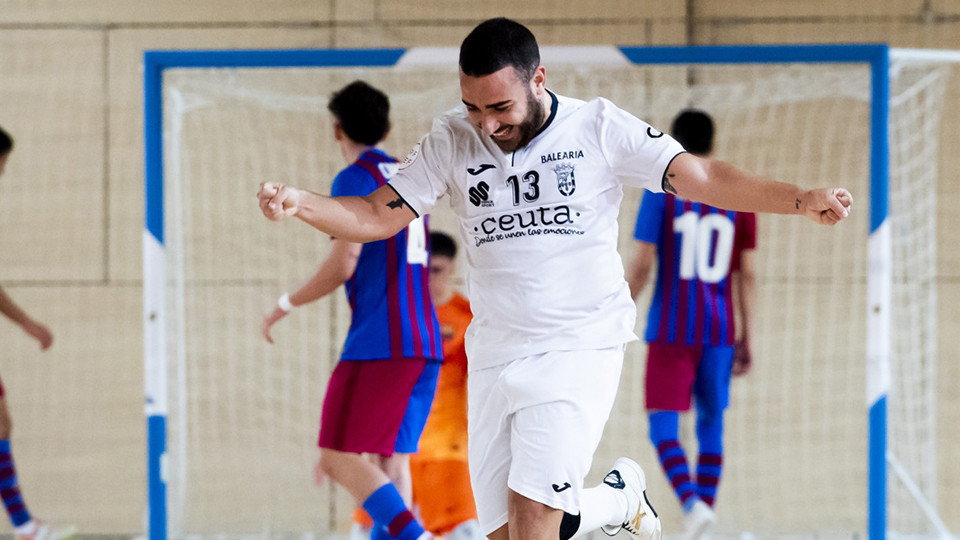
(411, 156)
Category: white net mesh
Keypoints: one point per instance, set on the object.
(916, 108)
(244, 415)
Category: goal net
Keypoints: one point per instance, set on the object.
(242, 415)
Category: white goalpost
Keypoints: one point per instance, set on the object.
(843, 313)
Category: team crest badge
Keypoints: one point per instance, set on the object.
(566, 182)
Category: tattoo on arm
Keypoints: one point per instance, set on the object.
(798, 204)
(667, 186)
(398, 203)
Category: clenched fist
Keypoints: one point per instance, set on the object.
(826, 206)
(278, 201)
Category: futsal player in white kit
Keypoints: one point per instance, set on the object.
(536, 180)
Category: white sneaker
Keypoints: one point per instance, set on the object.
(45, 531)
(699, 521)
(468, 530)
(359, 532)
(641, 520)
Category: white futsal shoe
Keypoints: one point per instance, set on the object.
(359, 532)
(42, 530)
(468, 530)
(699, 521)
(641, 520)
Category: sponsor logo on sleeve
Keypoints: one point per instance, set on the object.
(411, 157)
(653, 133)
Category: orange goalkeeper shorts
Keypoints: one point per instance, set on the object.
(442, 493)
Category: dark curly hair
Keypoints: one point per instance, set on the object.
(497, 43)
(6, 142)
(363, 112)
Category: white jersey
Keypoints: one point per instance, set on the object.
(539, 225)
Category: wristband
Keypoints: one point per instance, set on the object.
(284, 303)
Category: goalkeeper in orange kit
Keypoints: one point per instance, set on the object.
(441, 479)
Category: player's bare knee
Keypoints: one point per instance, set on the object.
(529, 517)
(503, 533)
(331, 463)
(396, 467)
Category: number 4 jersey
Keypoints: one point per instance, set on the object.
(698, 246)
(393, 316)
(539, 225)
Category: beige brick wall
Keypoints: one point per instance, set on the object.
(71, 201)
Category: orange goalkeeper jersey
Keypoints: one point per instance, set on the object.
(445, 435)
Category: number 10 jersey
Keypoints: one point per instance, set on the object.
(698, 247)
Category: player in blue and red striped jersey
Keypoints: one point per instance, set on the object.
(704, 283)
(25, 526)
(380, 393)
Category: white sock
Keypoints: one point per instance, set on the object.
(599, 506)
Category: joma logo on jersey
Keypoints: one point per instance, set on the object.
(535, 217)
(566, 182)
(480, 194)
(555, 156)
(482, 167)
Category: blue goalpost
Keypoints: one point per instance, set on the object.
(879, 286)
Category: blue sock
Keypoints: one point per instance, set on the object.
(710, 461)
(10, 489)
(664, 434)
(390, 514)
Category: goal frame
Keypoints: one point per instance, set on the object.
(878, 308)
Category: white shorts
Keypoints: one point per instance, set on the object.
(534, 425)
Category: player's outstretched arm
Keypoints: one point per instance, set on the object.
(745, 300)
(725, 186)
(337, 268)
(37, 331)
(357, 219)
